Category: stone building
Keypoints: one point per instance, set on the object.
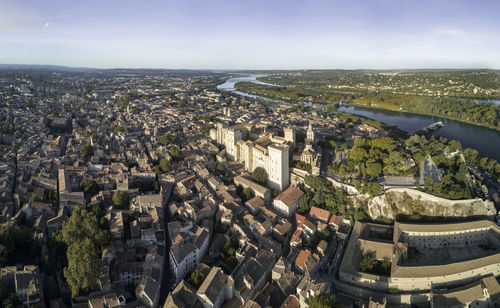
(423, 256)
(308, 152)
(265, 151)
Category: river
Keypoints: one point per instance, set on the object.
(483, 139)
(231, 82)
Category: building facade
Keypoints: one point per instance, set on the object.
(269, 152)
(423, 256)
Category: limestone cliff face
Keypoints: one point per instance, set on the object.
(414, 202)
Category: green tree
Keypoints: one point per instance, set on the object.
(175, 153)
(304, 205)
(454, 146)
(83, 266)
(87, 150)
(17, 244)
(259, 175)
(367, 263)
(373, 188)
(197, 278)
(121, 129)
(417, 183)
(123, 101)
(427, 183)
(322, 301)
(85, 237)
(374, 169)
(168, 139)
(165, 165)
(275, 193)
(472, 156)
(120, 199)
(89, 186)
(357, 154)
(248, 193)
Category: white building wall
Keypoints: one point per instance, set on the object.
(281, 207)
(275, 162)
(203, 250)
(187, 265)
(278, 171)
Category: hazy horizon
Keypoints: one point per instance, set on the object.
(252, 35)
(34, 66)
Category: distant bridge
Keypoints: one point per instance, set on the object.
(429, 128)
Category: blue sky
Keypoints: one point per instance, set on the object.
(252, 34)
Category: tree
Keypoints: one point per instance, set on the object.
(248, 193)
(167, 139)
(175, 153)
(374, 169)
(89, 186)
(304, 205)
(367, 263)
(222, 171)
(417, 183)
(83, 224)
(472, 156)
(427, 183)
(454, 146)
(83, 266)
(259, 175)
(197, 278)
(85, 237)
(17, 244)
(120, 199)
(121, 129)
(384, 143)
(275, 193)
(322, 301)
(357, 154)
(373, 188)
(165, 165)
(87, 150)
(123, 101)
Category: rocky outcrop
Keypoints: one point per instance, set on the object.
(414, 202)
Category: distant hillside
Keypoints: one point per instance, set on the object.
(68, 69)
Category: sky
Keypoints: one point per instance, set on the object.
(252, 34)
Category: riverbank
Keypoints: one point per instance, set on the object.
(479, 137)
(395, 107)
(421, 113)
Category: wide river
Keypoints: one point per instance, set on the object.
(231, 82)
(485, 140)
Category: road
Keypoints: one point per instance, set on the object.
(325, 160)
(167, 275)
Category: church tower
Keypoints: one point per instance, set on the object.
(310, 134)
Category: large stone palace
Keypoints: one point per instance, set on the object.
(258, 149)
(249, 144)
